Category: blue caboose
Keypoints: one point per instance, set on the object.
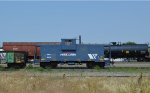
(71, 52)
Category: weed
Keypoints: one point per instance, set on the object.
(97, 68)
(45, 83)
(30, 66)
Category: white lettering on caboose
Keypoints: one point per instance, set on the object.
(68, 54)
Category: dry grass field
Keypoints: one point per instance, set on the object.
(26, 82)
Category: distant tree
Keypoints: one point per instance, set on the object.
(129, 43)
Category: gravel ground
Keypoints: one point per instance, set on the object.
(82, 71)
(131, 64)
(77, 73)
(116, 64)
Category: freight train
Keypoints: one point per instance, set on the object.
(68, 51)
(140, 52)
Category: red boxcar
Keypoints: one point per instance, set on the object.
(29, 47)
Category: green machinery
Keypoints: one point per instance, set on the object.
(14, 58)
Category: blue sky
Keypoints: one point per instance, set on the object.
(97, 22)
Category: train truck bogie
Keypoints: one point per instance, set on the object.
(52, 64)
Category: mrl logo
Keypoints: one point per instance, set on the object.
(92, 56)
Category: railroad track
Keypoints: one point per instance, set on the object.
(131, 64)
(83, 66)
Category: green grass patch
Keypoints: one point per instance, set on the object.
(97, 68)
(30, 66)
(38, 69)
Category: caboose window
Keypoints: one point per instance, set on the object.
(68, 42)
(69, 51)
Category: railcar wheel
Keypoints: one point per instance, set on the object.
(90, 65)
(53, 64)
(140, 59)
(16, 65)
(23, 65)
(48, 64)
(42, 64)
(102, 64)
(9, 65)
